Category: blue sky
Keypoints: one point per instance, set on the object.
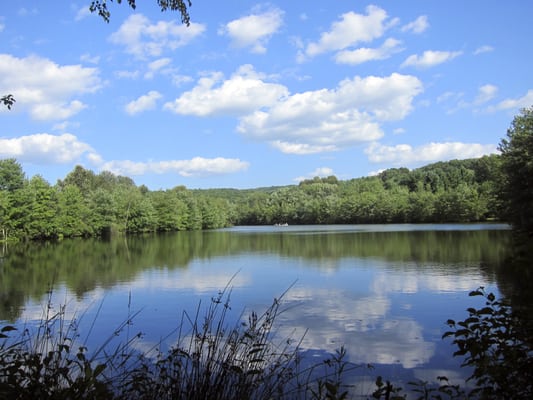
(256, 94)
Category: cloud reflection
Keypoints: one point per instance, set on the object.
(361, 324)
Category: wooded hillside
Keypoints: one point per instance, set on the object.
(88, 204)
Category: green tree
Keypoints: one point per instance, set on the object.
(82, 178)
(517, 166)
(73, 214)
(11, 175)
(40, 220)
(102, 208)
(182, 6)
(11, 182)
(4, 210)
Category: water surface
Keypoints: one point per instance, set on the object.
(382, 291)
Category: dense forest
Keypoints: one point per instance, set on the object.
(88, 204)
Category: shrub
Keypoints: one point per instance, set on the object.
(496, 342)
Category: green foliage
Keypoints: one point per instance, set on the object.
(8, 100)
(11, 175)
(517, 167)
(46, 363)
(73, 213)
(211, 359)
(87, 204)
(100, 6)
(496, 343)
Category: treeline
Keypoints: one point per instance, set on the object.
(454, 191)
(89, 204)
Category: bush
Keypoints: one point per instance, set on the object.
(496, 342)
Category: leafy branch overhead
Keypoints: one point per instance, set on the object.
(100, 6)
(182, 6)
(8, 101)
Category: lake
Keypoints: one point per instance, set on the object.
(382, 291)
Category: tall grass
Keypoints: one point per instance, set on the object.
(211, 359)
(215, 359)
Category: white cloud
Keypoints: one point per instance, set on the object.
(329, 318)
(449, 96)
(54, 111)
(82, 13)
(405, 155)
(486, 93)
(254, 30)
(483, 49)
(65, 125)
(430, 58)
(326, 120)
(197, 166)
(398, 131)
(157, 66)
(302, 148)
(45, 87)
(244, 92)
(143, 103)
(143, 39)
(43, 148)
(179, 80)
(320, 172)
(352, 28)
(361, 55)
(514, 104)
(90, 59)
(419, 25)
(127, 74)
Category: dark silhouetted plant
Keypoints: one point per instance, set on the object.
(495, 342)
(211, 359)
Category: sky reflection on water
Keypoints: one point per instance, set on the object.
(389, 313)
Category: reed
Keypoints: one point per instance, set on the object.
(212, 358)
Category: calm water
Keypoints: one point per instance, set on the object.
(382, 291)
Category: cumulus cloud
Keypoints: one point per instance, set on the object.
(486, 93)
(144, 39)
(55, 111)
(320, 172)
(514, 104)
(430, 58)
(254, 30)
(197, 166)
(349, 30)
(43, 148)
(419, 25)
(143, 103)
(327, 120)
(242, 93)
(329, 318)
(405, 155)
(46, 88)
(363, 54)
